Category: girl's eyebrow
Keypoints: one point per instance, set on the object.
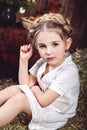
(55, 41)
(40, 43)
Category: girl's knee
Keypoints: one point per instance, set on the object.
(22, 97)
(14, 89)
(22, 100)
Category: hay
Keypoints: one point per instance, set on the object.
(76, 123)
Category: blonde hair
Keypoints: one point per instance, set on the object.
(51, 21)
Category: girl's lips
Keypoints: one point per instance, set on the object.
(50, 58)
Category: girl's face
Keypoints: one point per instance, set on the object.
(51, 47)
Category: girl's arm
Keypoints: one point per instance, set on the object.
(44, 98)
(23, 76)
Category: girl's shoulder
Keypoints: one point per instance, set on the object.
(67, 67)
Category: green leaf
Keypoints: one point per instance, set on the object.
(31, 4)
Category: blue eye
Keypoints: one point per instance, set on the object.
(55, 44)
(42, 46)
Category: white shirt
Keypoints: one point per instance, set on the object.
(64, 80)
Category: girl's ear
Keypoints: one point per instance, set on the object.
(68, 43)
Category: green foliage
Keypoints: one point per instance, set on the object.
(20, 3)
(9, 1)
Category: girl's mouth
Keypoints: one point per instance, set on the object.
(50, 58)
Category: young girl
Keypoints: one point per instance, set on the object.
(48, 94)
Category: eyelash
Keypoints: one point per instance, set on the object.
(54, 45)
(42, 46)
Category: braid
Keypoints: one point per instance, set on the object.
(57, 18)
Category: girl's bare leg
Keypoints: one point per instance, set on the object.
(8, 92)
(12, 107)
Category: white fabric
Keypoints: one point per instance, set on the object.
(65, 81)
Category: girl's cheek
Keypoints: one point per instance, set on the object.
(42, 54)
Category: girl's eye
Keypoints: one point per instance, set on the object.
(42, 46)
(55, 44)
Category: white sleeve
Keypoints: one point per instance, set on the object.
(65, 81)
(33, 70)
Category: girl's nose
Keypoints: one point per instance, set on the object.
(48, 50)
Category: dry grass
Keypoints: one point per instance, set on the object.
(76, 123)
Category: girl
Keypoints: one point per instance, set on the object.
(48, 94)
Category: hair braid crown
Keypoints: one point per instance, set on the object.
(56, 17)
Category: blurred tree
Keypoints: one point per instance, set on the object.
(79, 22)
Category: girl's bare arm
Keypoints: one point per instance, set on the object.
(44, 98)
(23, 76)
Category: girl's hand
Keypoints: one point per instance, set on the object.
(26, 52)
